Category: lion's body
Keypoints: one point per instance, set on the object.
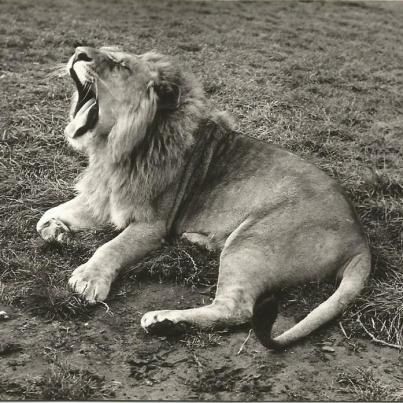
(277, 219)
(256, 181)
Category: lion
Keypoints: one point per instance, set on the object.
(162, 164)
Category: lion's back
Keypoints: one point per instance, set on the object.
(252, 177)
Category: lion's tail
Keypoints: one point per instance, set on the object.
(265, 310)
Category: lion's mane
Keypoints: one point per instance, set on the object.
(146, 148)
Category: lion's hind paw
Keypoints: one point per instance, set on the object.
(160, 324)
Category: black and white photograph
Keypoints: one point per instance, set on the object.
(201, 200)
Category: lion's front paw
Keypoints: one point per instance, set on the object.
(91, 282)
(164, 322)
(54, 230)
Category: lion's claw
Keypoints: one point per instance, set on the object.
(90, 283)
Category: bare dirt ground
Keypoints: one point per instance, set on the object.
(322, 79)
(199, 366)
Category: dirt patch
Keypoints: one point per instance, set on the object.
(109, 355)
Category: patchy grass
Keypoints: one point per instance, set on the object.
(63, 383)
(202, 340)
(366, 387)
(382, 308)
(214, 382)
(182, 262)
(322, 79)
(60, 382)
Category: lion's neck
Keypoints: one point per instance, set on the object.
(126, 191)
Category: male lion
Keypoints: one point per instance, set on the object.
(161, 164)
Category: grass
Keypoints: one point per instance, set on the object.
(322, 79)
(212, 380)
(182, 262)
(215, 382)
(60, 382)
(365, 387)
(202, 340)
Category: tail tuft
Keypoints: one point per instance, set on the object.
(264, 315)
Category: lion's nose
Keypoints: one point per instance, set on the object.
(84, 54)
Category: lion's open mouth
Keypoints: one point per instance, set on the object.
(86, 112)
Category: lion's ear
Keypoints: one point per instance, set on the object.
(169, 95)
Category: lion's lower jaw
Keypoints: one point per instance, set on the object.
(92, 142)
(82, 143)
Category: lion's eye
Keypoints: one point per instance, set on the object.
(119, 63)
(124, 65)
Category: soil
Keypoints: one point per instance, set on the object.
(109, 342)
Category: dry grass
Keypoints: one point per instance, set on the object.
(60, 382)
(366, 387)
(182, 262)
(323, 79)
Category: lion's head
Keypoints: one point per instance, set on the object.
(136, 117)
(119, 97)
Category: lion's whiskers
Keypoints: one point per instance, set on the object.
(89, 75)
(87, 88)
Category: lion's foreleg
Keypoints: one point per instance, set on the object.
(58, 222)
(94, 278)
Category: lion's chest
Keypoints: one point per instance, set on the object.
(114, 197)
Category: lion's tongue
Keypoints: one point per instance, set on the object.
(83, 120)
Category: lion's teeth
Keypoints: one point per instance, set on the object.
(86, 106)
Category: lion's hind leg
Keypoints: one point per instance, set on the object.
(239, 284)
(234, 307)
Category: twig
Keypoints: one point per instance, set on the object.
(106, 306)
(245, 341)
(178, 361)
(375, 340)
(344, 332)
(191, 259)
(199, 364)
